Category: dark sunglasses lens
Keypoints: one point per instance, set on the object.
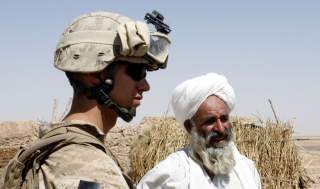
(136, 72)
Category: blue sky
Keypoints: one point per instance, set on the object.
(266, 49)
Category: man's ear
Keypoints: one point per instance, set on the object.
(91, 79)
(187, 125)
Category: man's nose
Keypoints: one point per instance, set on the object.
(143, 85)
(219, 126)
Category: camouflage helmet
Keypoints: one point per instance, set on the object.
(93, 41)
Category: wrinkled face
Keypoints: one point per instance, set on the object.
(211, 137)
(129, 84)
(212, 122)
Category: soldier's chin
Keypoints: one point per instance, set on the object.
(135, 103)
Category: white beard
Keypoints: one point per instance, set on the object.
(217, 160)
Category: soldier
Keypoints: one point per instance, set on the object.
(105, 57)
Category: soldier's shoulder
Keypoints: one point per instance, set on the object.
(75, 162)
(78, 153)
(80, 160)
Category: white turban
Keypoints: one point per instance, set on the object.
(188, 96)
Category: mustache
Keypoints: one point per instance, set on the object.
(227, 135)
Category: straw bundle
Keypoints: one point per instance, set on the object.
(270, 146)
(155, 144)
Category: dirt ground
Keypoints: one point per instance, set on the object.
(310, 151)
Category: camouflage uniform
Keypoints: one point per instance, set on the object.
(65, 167)
(92, 43)
(89, 45)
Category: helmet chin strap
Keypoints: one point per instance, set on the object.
(101, 94)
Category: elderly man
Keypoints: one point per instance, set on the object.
(202, 106)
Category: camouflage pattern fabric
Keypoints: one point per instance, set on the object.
(65, 167)
(91, 42)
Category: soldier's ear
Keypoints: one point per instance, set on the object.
(91, 79)
(187, 125)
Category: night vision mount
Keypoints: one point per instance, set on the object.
(156, 19)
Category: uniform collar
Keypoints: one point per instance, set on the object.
(86, 126)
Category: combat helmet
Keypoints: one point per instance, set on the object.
(93, 41)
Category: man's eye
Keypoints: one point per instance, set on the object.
(210, 121)
(224, 118)
(136, 72)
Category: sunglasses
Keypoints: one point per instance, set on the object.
(136, 71)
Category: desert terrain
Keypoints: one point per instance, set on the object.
(310, 152)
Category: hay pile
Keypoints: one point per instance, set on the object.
(271, 147)
(273, 150)
(155, 144)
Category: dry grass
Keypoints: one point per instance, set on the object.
(155, 144)
(273, 150)
(271, 147)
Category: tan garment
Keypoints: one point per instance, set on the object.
(65, 167)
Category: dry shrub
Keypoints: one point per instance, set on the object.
(270, 146)
(273, 150)
(162, 137)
